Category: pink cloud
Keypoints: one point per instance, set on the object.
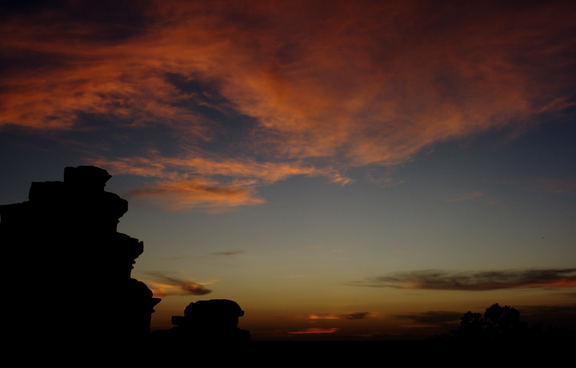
(195, 194)
(330, 87)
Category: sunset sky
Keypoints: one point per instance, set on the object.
(341, 169)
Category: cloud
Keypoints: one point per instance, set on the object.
(474, 281)
(293, 89)
(195, 194)
(195, 164)
(548, 309)
(188, 182)
(166, 285)
(349, 316)
(357, 315)
(230, 253)
(214, 254)
(555, 315)
(323, 316)
(314, 331)
(432, 317)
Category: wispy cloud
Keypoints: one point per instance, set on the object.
(474, 281)
(229, 253)
(349, 316)
(357, 315)
(194, 164)
(314, 331)
(188, 182)
(166, 285)
(432, 317)
(194, 194)
(323, 316)
(211, 255)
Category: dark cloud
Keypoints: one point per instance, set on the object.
(218, 254)
(184, 287)
(474, 280)
(433, 317)
(314, 330)
(230, 253)
(554, 315)
(357, 315)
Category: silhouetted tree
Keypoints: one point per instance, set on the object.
(471, 326)
(497, 324)
(503, 323)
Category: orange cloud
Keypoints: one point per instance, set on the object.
(195, 194)
(155, 165)
(168, 285)
(314, 331)
(328, 86)
(186, 182)
(323, 316)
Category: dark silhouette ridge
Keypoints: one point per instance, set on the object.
(69, 270)
(206, 321)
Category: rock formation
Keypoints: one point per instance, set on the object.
(68, 269)
(213, 321)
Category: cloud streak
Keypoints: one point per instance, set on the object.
(195, 194)
(229, 253)
(188, 181)
(349, 316)
(433, 318)
(166, 285)
(474, 281)
(314, 331)
(357, 315)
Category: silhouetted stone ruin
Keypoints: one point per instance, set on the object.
(69, 269)
(214, 320)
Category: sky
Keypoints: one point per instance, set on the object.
(343, 170)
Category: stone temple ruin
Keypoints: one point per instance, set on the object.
(69, 267)
(206, 321)
(69, 271)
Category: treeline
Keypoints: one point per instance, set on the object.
(503, 324)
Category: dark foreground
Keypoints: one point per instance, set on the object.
(259, 353)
